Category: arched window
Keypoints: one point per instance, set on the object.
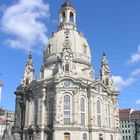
(63, 16)
(71, 17)
(49, 48)
(84, 49)
(51, 108)
(84, 136)
(66, 136)
(66, 102)
(109, 115)
(27, 81)
(98, 113)
(67, 109)
(82, 104)
(66, 67)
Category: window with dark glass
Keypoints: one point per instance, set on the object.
(82, 104)
(66, 67)
(67, 109)
(71, 17)
(84, 49)
(63, 16)
(27, 81)
(49, 48)
(84, 136)
(98, 113)
(66, 102)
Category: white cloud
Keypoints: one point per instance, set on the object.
(135, 57)
(23, 22)
(120, 82)
(136, 72)
(138, 102)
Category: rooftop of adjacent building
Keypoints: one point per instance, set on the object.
(2, 121)
(129, 114)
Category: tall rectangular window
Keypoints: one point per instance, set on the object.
(98, 113)
(84, 136)
(51, 104)
(67, 109)
(83, 118)
(66, 117)
(82, 104)
(99, 120)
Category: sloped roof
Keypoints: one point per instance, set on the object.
(129, 114)
(124, 114)
(135, 115)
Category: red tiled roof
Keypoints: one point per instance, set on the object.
(129, 114)
(135, 115)
(2, 121)
(124, 114)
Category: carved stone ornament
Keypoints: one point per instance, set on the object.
(67, 44)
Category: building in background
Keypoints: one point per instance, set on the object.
(67, 102)
(6, 121)
(130, 124)
(2, 127)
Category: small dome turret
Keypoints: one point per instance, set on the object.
(67, 16)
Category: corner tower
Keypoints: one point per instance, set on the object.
(28, 71)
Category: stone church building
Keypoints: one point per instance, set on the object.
(67, 102)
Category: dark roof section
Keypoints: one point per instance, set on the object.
(135, 115)
(129, 114)
(67, 3)
(124, 114)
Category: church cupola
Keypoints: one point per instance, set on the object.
(67, 16)
(28, 71)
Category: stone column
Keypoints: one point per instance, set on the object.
(30, 113)
(75, 107)
(26, 114)
(74, 18)
(67, 16)
(42, 114)
(90, 114)
(17, 118)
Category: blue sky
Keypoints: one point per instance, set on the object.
(110, 26)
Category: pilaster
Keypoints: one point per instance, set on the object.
(42, 116)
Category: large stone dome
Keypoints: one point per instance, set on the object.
(72, 39)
